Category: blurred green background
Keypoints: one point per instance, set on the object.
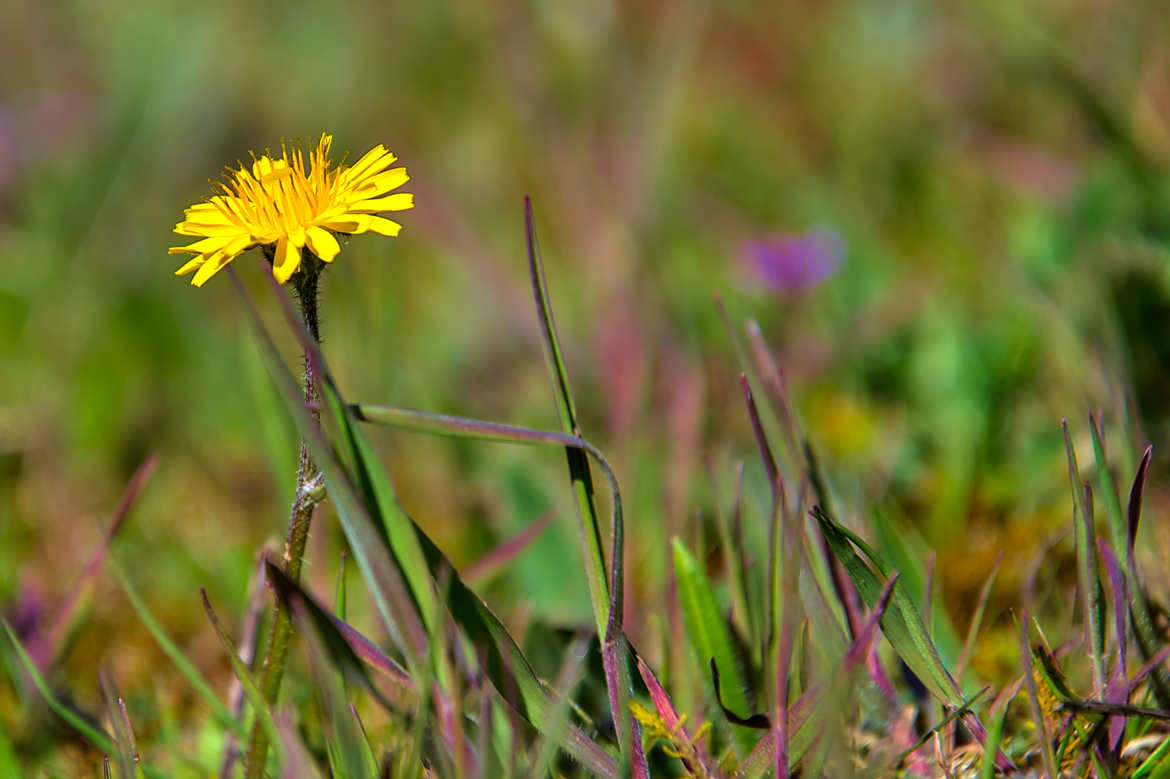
(963, 210)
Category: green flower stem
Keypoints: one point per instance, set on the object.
(308, 495)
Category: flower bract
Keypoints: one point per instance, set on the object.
(287, 205)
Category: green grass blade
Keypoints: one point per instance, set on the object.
(902, 623)
(994, 737)
(91, 733)
(366, 537)
(1034, 699)
(1087, 574)
(329, 639)
(349, 753)
(711, 639)
(125, 748)
(1107, 488)
(247, 680)
(218, 709)
(606, 593)
(582, 481)
(503, 662)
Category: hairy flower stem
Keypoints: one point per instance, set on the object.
(308, 495)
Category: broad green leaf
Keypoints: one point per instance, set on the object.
(710, 638)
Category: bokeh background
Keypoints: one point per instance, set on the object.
(949, 220)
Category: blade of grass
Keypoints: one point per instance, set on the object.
(710, 638)
(126, 750)
(329, 639)
(579, 475)
(1086, 548)
(1146, 635)
(976, 621)
(1106, 486)
(251, 686)
(349, 753)
(902, 624)
(994, 737)
(91, 733)
(395, 605)
(1034, 699)
(674, 723)
(506, 552)
(606, 593)
(218, 710)
(55, 636)
(504, 663)
(568, 678)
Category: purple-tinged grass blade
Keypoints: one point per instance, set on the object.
(776, 389)
(803, 732)
(257, 600)
(350, 756)
(1106, 485)
(368, 539)
(775, 481)
(126, 748)
(1146, 635)
(300, 764)
(674, 723)
(1088, 580)
(862, 645)
(1134, 509)
(1120, 593)
(1147, 668)
(368, 651)
(45, 648)
(733, 562)
(330, 638)
(504, 553)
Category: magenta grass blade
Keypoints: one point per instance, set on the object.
(44, 648)
(861, 646)
(674, 723)
(508, 551)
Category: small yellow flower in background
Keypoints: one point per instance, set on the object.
(285, 206)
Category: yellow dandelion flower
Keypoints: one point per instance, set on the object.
(286, 207)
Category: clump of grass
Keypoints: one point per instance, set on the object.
(807, 654)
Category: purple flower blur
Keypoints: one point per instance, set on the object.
(795, 263)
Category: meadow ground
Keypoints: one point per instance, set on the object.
(860, 257)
